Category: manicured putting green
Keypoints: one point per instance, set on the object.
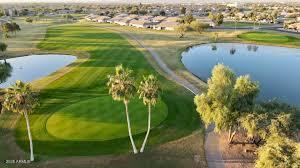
(102, 119)
(267, 37)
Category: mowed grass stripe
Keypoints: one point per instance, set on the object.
(87, 81)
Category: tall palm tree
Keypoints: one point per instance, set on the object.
(149, 92)
(3, 48)
(21, 99)
(121, 87)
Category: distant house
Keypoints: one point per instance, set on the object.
(146, 17)
(158, 19)
(90, 17)
(294, 26)
(124, 21)
(141, 23)
(117, 18)
(133, 16)
(101, 19)
(166, 25)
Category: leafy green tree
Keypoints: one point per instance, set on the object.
(29, 20)
(3, 48)
(162, 13)
(282, 125)
(245, 93)
(217, 18)
(280, 152)
(188, 19)
(227, 98)
(149, 92)
(183, 10)
(215, 36)
(20, 98)
(198, 26)
(6, 28)
(1, 12)
(5, 72)
(253, 16)
(15, 27)
(121, 87)
(274, 16)
(181, 30)
(256, 124)
(236, 20)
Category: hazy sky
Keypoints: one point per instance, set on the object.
(143, 1)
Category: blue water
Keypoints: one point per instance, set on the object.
(29, 68)
(277, 69)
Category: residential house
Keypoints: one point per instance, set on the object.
(101, 19)
(146, 17)
(124, 22)
(141, 23)
(90, 17)
(158, 19)
(117, 18)
(166, 25)
(294, 26)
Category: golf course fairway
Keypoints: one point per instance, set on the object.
(77, 116)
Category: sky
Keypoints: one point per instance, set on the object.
(142, 1)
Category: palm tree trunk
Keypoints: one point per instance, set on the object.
(231, 135)
(148, 131)
(129, 128)
(29, 136)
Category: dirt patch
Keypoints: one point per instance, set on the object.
(238, 154)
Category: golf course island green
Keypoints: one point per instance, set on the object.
(77, 116)
(102, 119)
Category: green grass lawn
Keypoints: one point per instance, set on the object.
(77, 117)
(270, 38)
(101, 120)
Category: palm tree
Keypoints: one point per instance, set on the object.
(21, 99)
(3, 48)
(148, 91)
(121, 87)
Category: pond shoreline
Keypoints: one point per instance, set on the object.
(29, 68)
(243, 57)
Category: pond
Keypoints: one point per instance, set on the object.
(29, 68)
(277, 69)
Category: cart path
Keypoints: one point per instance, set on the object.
(212, 151)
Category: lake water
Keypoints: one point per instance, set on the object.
(276, 68)
(29, 68)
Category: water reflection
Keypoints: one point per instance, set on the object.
(5, 71)
(255, 48)
(276, 68)
(252, 48)
(249, 47)
(214, 48)
(31, 67)
(232, 51)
